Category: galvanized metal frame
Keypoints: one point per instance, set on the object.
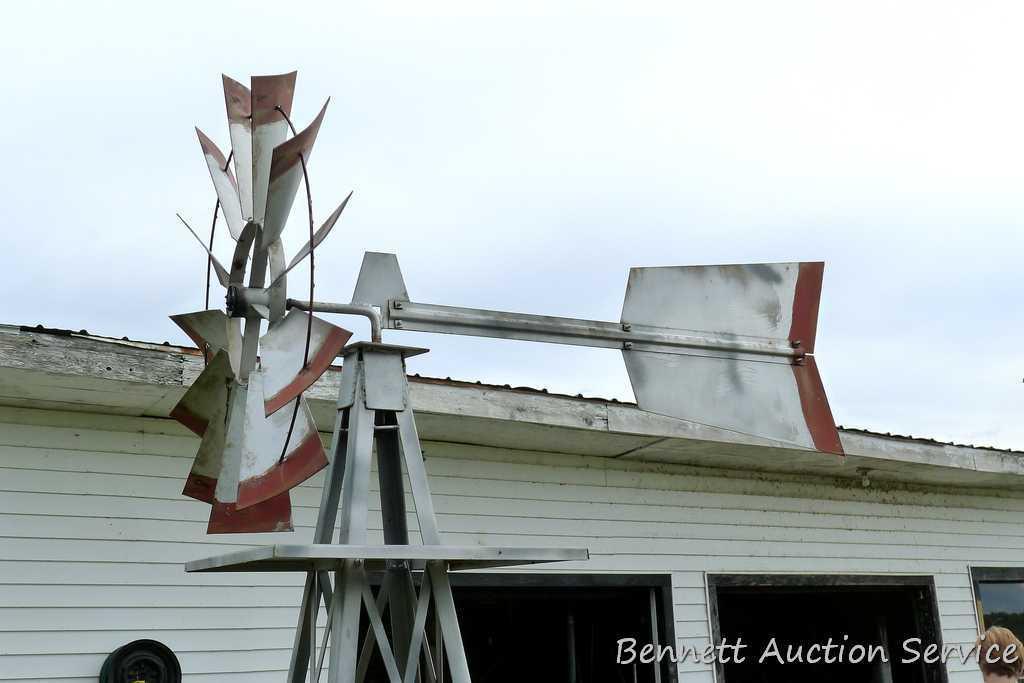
(374, 407)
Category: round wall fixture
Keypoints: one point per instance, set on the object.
(141, 661)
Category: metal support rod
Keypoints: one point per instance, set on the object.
(326, 517)
(570, 626)
(368, 312)
(313, 608)
(396, 531)
(408, 315)
(655, 639)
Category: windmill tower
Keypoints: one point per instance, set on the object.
(726, 346)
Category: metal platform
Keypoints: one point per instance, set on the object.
(320, 556)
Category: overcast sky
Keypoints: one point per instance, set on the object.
(525, 160)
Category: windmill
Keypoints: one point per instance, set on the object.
(726, 346)
(258, 436)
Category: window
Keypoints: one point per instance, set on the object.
(999, 593)
(803, 612)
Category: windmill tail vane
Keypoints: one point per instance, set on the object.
(725, 346)
(258, 438)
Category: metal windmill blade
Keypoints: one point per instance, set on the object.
(252, 453)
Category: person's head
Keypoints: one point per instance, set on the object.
(1000, 653)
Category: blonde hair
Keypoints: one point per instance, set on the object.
(1000, 653)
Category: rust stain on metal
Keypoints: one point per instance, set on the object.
(814, 404)
(271, 515)
(270, 92)
(237, 100)
(300, 464)
(291, 153)
(803, 330)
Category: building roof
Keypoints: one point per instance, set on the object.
(63, 369)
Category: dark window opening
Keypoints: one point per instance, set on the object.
(556, 627)
(803, 611)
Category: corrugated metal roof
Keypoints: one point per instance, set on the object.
(508, 387)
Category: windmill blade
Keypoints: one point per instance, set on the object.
(234, 434)
(282, 352)
(238, 102)
(203, 409)
(270, 516)
(214, 330)
(222, 273)
(267, 469)
(223, 183)
(225, 516)
(269, 129)
(202, 480)
(771, 396)
(285, 175)
(319, 236)
(207, 396)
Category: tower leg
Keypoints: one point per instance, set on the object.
(327, 516)
(396, 532)
(345, 613)
(444, 603)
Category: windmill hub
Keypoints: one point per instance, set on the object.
(242, 302)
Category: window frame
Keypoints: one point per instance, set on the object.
(990, 575)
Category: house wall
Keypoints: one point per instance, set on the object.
(93, 534)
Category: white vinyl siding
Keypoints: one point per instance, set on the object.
(94, 532)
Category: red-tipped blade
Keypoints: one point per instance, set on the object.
(214, 329)
(269, 129)
(223, 183)
(238, 102)
(285, 175)
(269, 516)
(207, 396)
(282, 351)
(269, 467)
(211, 408)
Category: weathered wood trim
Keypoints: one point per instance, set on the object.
(77, 372)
